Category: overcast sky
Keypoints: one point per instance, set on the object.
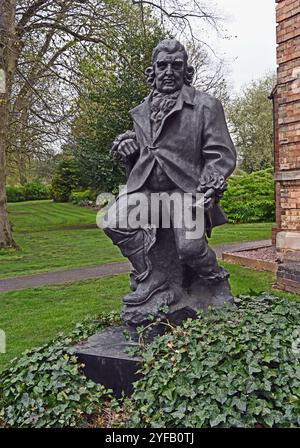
(252, 52)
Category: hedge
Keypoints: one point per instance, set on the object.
(250, 197)
(32, 191)
(83, 197)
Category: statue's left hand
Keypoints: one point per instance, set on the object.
(209, 198)
(213, 186)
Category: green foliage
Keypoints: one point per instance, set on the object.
(31, 191)
(65, 179)
(251, 118)
(111, 86)
(36, 191)
(45, 386)
(15, 193)
(83, 197)
(250, 197)
(232, 367)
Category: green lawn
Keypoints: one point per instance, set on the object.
(61, 236)
(33, 316)
(232, 233)
(54, 237)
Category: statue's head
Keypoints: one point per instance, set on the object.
(170, 69)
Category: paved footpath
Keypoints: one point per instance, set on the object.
(87, 273)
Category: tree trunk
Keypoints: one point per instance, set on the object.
(7, 69)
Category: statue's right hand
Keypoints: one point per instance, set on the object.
(128, 148)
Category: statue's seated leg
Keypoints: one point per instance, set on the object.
(150, 281)
(166, 266)
(135, 244)
(202, 268)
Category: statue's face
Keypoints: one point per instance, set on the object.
(169, 71)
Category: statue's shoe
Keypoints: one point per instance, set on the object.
(143, 293)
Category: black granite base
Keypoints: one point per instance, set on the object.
(106, 361)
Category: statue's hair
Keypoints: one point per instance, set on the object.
(170, 46)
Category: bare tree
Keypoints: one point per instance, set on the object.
(7, 69)
(210, 72)
(177, 14)
(40, 41)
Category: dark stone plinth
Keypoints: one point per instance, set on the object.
(106, 361)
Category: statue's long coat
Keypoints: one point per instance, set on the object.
(193, 140)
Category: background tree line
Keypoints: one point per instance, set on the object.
(250, 116)
(42, 45)
(101, 113)
(72, 71)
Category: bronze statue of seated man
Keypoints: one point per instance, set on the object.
(180, 144)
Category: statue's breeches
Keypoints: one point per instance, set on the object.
(135, 242)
